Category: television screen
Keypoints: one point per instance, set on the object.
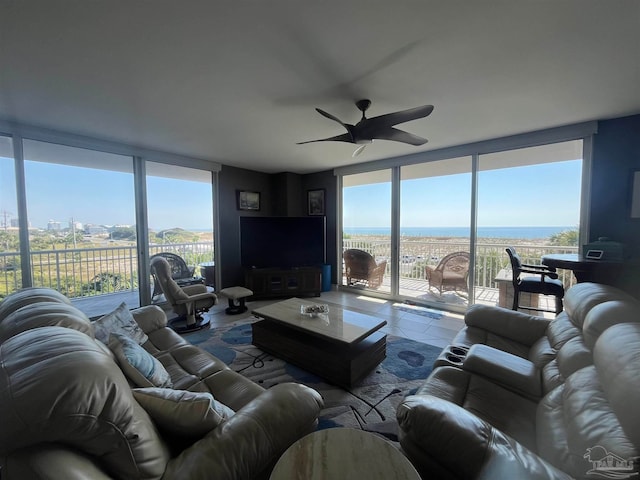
(282, 242)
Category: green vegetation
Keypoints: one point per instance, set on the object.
(176, 235)
(566, 238)
(9, 241)
(91, 268)
(124, 233)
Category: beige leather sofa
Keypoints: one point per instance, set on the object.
(534, 398)
(68, 412)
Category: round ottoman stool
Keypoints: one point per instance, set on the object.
(236, 296)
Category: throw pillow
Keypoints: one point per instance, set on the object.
(119, 321)
(142, 368)
(189, 414)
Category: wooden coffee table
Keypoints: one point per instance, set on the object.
(342, 346)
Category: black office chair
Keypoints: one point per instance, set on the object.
(544, 282)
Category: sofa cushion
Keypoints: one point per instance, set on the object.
(596, 406)
(606, 314)
(575, 417)
(582, 297)
(119, 321)
(190, 414)
(142, 368)
(617, 360)
(27, 296)
(58, 386)
(44, 314)
(507, 411)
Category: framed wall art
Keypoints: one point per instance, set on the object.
(315, 202)
(248, 200)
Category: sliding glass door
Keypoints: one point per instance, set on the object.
(443, 225)
(435, 227)
(529, 199)
(180, 217)
(366, 231)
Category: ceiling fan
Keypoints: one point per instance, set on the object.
(377, 128)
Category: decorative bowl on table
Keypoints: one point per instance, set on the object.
(314, 310)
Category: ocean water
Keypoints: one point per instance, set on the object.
(483, 232)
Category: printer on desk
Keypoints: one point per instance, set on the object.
(603, 249)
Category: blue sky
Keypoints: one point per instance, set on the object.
(540, 195)
(58, 192)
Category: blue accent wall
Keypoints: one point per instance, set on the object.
(616, 155)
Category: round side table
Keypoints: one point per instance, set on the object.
(343, 453)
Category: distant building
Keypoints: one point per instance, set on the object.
(53, 225)
(91, 229)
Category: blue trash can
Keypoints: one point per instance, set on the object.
(326, 278)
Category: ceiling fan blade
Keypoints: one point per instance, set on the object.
(396, 135)
(345, 137)
(331, 117)
(359, 150)
(391, 119)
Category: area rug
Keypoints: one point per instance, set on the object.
(369, 405)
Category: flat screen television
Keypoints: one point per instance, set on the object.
(282, 242)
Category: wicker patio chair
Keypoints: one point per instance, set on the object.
(452, 273)
(361, 267)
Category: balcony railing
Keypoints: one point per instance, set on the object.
(84, 272)
(95, 271)
(489, 260)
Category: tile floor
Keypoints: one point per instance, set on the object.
(437, 332)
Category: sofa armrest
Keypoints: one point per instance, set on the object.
(51, 462)
(196, 297)
(195, 289)
(517, 326)
(510, 371)
(252, 440)
(150, 318)
(463, 444)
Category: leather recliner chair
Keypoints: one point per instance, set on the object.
(537, 338)
(499, 415)
(187, 301)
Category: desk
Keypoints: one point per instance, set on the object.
(584, 269)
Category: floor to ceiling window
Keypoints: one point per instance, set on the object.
(435, 227)
(529, 199)
(83, 216)
(468, 208)
(81, 209)
(180, 216)
(10, 274)
(366, 230)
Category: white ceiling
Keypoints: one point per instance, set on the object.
(236, 82)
